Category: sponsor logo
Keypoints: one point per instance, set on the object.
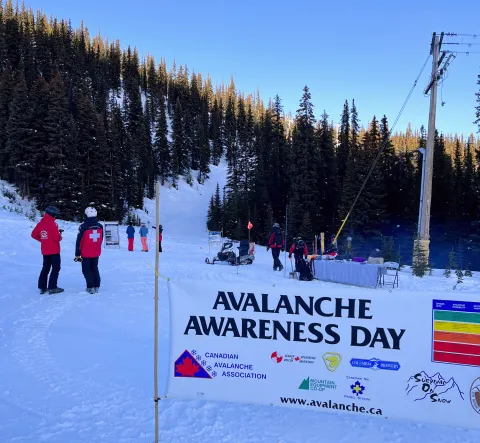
(357, 386)
(314, 384)
(332, 360)
(43, 235)
(435, 388)
(475, 395)
(292, 358)
(187, 366)
(375, 364)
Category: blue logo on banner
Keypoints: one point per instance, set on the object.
(375, 364)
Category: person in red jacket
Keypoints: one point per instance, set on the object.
(276, 243)
(160, 237)
(299, 250)
(49, 236)
(89, 248)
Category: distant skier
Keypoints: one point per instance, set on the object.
(131, 236)
(89, 248)
(143, 237)
(49, 236)
(276, 243)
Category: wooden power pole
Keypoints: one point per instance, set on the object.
(423, 241)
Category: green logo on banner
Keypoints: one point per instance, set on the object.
(305, 384)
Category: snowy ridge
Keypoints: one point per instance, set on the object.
(78, 368)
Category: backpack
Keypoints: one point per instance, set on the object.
(278, 238)
(304, 270)
(299, 245)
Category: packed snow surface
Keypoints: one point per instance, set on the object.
(79, 368)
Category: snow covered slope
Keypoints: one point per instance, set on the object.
(78, 368)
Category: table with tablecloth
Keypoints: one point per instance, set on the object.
(349, 273)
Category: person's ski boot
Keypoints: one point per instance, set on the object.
(55, 291)
(96, 290)
(280, 268)
(90, 290)
(42, 291)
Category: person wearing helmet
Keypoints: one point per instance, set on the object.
(89, 248)
(49, 236)
(276, 243)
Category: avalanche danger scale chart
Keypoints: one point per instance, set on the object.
(456, 332)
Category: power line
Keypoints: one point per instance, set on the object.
(454, 34)
(463, 43)
(382, 147)
(462, 52)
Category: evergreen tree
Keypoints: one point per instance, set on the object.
(217, 131)
(201, 140)
(179, 151)
(344, 145)
(63, 182)
(469, 186)
(304, 184)
(387, 167)
(442, 182)
(92, 149)
(161, 144)
(6, 96)
(118, 160)
(477, 114)
(17, 147)
(326, 176)
(458, 181)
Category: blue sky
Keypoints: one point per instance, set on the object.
(368, 50)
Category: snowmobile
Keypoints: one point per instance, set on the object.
(245, 253)
(226, 254)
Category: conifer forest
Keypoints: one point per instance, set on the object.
(85, 121)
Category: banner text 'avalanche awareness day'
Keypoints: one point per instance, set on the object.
(360, 351)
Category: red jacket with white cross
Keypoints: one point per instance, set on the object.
(89, 239)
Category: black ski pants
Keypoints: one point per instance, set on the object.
(90, 272)
(50, 262)
(159, 246)
(277, 264)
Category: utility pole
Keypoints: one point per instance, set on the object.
(426, 197)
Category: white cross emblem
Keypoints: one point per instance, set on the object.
(95, 235)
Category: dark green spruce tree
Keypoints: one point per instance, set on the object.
(304, 201)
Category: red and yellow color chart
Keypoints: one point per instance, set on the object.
(456, 332)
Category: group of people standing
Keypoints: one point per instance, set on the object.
(143, 231)
(276, 242)
(88, 248)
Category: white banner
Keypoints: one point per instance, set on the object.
(390, 355)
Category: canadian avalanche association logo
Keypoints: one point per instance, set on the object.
(475, 395)
(187, 366)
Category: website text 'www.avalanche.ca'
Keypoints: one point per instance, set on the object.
(331, 405)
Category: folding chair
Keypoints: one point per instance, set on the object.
(390, 270)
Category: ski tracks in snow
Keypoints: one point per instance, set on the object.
(72, 406)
